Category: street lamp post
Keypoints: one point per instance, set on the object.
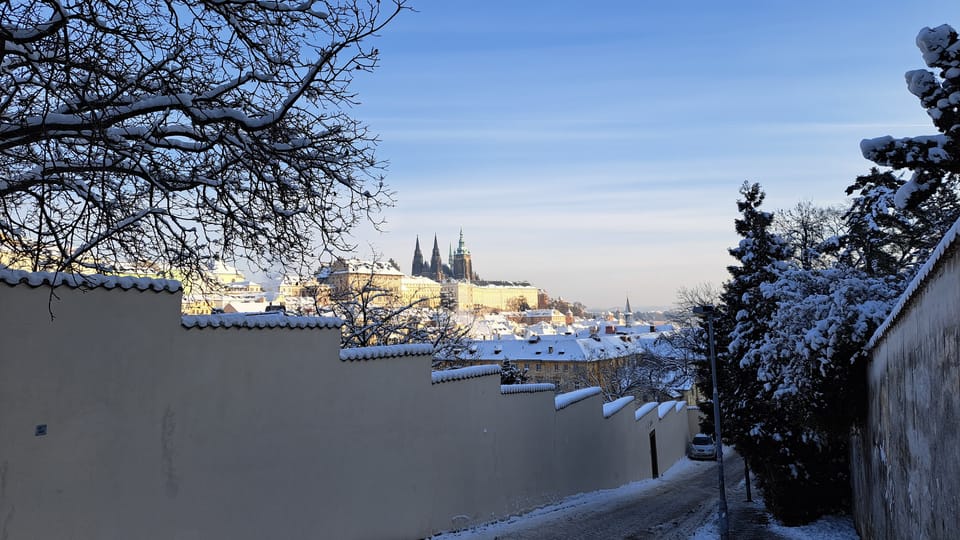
(708, 312)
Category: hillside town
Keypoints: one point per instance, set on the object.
(548, 340)
(250, 290)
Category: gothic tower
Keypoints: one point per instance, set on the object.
(417, 269)
(462, 266)
(436, 262)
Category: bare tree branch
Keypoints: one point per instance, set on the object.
(170, 133)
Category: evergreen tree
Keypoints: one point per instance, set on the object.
(934, 160)
(883, 239)
(744, 319)
(810, 366)
(511, 373)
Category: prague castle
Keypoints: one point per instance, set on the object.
(463, 286)
(459, 266)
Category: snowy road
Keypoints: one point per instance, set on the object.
(672, 507)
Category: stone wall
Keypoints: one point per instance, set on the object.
(120, 419)
(905, 457)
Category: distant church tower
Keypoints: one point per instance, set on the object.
(462, 266)
(417, 269)
(628, 316)
(436, 262)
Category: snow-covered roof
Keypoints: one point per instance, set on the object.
(526, 388)
(239, 306)
(541, 329)
(531, 313)
(386, 351)
(258, 320)
(418, 280)
(459, 374)
(357, 266)
(60, 279)
(946, 244)
(565, 348)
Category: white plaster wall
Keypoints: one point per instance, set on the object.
(158, 431)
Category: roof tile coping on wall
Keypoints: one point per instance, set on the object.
(949, 238)
(563, 401)
(386, 351)
(469, 372)
(612, 408)
(644, 409)
(665, 407)
(527, 388)
(57, 279)
(264, 319)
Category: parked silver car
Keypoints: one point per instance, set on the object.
(702, 447)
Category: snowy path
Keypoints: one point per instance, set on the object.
(674, 506)
(681, 505)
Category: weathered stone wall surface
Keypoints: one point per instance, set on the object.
(119, 420)
(906, 458)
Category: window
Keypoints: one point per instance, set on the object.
(539, 366)
(566, 367)
(556, 367)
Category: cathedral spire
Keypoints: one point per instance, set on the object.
(462, 246)
(436, 263)
(417, 268)
(628, 313)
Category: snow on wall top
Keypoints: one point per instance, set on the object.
(526, 388)
(644, 409)
(565, 400)
(947, 242)
(612, 408)
(567, 348)
(257, 320)
(665, 407)
(74, 281)
(386, 351)
(458, 374)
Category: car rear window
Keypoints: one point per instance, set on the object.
(700, 439)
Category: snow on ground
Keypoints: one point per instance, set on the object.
(592, 501)
(827, 528)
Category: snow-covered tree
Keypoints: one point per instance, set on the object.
(166, 133)
(511, 373)
(932, 159)
(807, 228)
(810, 367)
(744, 317)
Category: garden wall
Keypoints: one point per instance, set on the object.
(905, 457)
(121, 419)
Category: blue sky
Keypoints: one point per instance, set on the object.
(597, 150)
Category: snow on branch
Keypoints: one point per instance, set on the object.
(226, 118)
